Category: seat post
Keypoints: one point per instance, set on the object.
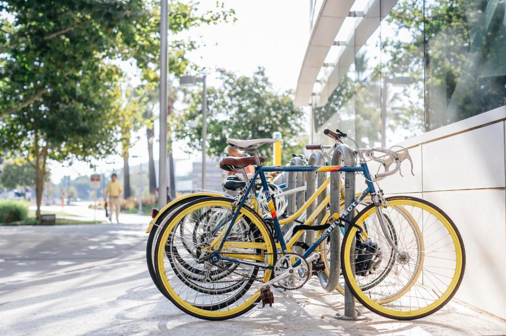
(244, 175)
(257, 158)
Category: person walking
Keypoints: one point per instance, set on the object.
(114, 190)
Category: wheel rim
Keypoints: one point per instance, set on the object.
(195, 307)
(424, 295)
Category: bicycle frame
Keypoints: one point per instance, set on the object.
(259, 172)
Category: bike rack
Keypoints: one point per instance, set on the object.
(341, 154)
(295, 180)
(296, 200)
(316, 159)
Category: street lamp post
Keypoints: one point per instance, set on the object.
(164, 68)
(189, 81)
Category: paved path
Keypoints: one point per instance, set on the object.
(92, 280)
(82, 211)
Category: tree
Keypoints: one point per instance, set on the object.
(57, 80)
(71, 193)
(76, 126)
(129, 118)
(56, 86)
(82, 186)
(50, 43)
(244, 108)
(148, 103)
(17, 173)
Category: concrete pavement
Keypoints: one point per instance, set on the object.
(82, 211)
(92, 280)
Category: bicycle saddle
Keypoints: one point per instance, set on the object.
(233, 163)
(249, 145)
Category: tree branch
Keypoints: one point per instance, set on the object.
(25, 103)
(30, 162)
(45, 38)
(64, 31)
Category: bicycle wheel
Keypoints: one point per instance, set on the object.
(194, 229)
(227, 288)
(429, 261)
(167, 212)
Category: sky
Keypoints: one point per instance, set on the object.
(267, 33)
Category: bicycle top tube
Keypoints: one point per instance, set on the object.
(310, 169)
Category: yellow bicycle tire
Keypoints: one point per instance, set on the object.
(167, 287)
(377, 307)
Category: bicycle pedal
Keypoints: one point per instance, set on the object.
(318, 266)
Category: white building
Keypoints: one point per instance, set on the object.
(429, 75)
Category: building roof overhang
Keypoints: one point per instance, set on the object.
(327, 25)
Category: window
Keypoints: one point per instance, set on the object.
(418, 66)
(465, 57)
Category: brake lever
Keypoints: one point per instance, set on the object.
(408, 156)
(341, 134)
(411, 162)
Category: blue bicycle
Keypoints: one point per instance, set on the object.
(216, 258)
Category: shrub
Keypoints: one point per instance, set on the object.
(149, 200)
(13, 211)
(133, 202)
(128, 203)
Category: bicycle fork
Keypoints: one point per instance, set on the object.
(386, 232)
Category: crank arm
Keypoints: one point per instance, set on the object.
(313, 257)
(289, 272)
(285, 274)
(308, 259)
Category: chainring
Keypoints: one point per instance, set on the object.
(299, 274)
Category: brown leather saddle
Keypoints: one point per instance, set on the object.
(231, 163)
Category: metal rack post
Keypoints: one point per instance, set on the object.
(316, 159)
(296, 200)
(341, 154)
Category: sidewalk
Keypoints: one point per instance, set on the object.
(93, 280)
(81, 211)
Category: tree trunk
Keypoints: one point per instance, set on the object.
(150, 135)
(40, 174)
(39, 188)
(126, 176)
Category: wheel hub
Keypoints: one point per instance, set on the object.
(402, 258)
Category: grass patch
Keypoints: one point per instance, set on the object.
(76, 222)
(31, 214)
(59, 221)
(31, 220)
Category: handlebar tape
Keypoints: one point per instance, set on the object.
(331, 134)
(313, 147)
